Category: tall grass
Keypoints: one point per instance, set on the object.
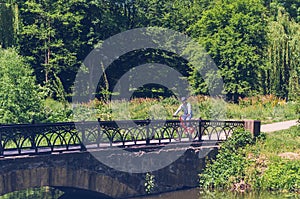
(265, 108)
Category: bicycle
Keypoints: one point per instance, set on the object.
(187, 128)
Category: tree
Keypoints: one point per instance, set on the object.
(50, 38)
(233, 33)
(19, 94)
(292, 7)
(56, 35)
(9, 22)
(283, 68)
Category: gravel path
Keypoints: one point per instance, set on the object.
(277, 126)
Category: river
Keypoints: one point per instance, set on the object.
(49, 193)
(195, 194)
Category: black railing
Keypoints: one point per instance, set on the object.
(25, 139)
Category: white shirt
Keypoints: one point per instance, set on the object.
(186, 108)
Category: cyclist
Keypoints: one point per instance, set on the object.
(186, 108)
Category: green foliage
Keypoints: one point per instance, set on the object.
(229, 166)
(273, 166)
(239, 139)
(49, 38)
(255, 54)
(9, 22)
(42, 192)
(291, 6)
(262, 165)
(135, 109)
(19, 94)
(141, 109)
(283, 61)
(267, 108)
(247, 195)
(175, 14)
(282, 141)
(282, 175)
(57, 111)
(264, 108)
(233, 33)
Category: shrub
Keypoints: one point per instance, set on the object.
(19, 94)
(57, 111)
(229, 166)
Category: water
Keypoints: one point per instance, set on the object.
(49, 193)
(195, 194)
(37, 193)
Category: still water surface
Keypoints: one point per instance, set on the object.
(195, 194)
(49, 193)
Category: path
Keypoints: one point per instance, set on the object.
(277, 126)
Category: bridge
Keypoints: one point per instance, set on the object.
(85, 156)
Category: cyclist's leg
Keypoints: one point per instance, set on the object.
(184, 117)
(188, 117)
(190, 128)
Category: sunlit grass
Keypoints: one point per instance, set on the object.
(268, 109)
(281, 141)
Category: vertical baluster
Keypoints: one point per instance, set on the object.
(148, 132)
(99, 136)
(200, 130)
(83, 138)
(33, 142)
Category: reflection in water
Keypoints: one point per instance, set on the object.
(50, 193)
(185, 194)
(36, 193)
(195, 194)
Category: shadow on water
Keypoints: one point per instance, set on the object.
(69, 193)
(51, 193)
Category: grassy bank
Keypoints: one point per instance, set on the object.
(270, 163)
(275, 162)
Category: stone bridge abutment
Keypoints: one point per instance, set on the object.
(81, 170)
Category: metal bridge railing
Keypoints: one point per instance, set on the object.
(26, 139)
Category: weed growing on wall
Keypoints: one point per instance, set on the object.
(149, 182)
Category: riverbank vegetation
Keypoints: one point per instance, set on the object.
(265, 108)
(269, 163)
(254, 44)
(275, 162)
